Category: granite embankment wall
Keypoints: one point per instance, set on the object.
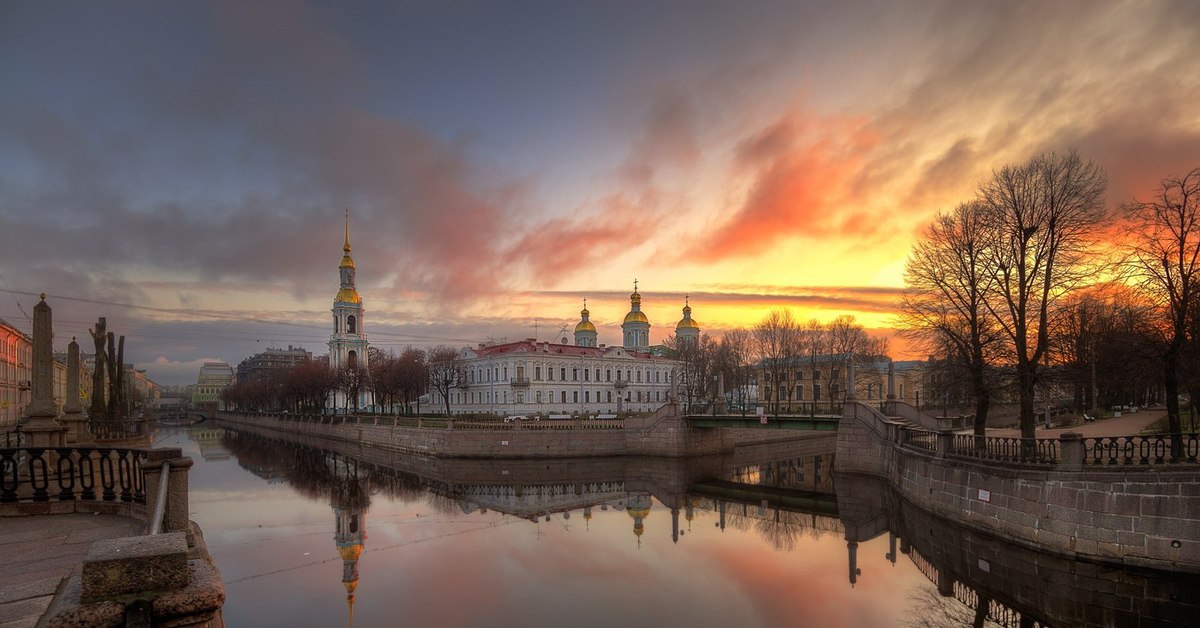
(664, 433)
(1143, 515)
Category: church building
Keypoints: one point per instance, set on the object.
(561, 379)
(348, 344)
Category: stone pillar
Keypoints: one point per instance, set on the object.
(43, 428)
(891, 393)
(945, 583)
(851, 394)
(1073, 451)
(176, 511)
(945, 443)
(674, 525)
(72, 408)
(891, 555)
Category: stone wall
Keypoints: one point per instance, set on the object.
(1139, 515)
(664, 433)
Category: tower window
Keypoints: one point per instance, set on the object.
(352, 359)
(351, 324)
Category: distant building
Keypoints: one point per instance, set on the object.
(16, 372)
(271, 362)
(213, 379)
(821, 379)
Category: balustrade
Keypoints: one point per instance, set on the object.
(1024, 450)
(41, 474)
(1140, 450)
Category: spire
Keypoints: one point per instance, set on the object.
(346, 248)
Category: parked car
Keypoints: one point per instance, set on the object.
(515, 417)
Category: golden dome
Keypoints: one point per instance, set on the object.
(348, 295)
(350, 552)
(346, 262)
(687, 323)
(636, 317)
(584, 326)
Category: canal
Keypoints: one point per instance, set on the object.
(322, 534)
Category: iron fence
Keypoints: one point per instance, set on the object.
(41, 474)
(920, 439)
(1024, 450)
(1140, 450)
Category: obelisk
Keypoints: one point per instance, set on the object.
(72, 408)
(43, 427)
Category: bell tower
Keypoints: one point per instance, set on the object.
(348, 343)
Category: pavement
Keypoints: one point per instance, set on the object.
(40, 551)
(1128, 424)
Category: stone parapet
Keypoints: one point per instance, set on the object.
(1135, 515)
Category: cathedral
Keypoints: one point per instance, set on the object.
(348, 344)
(530, 377)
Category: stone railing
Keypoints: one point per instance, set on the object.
(117, 430)
(460, 423)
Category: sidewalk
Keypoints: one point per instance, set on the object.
(40, 551)
(1128, 424)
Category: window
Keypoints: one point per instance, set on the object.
(351, 325)
(575, 396)
(799, 375)
(656, 376)
(639, 376)
(799, 392)
(564, 396)
(597, 374)
(550, 373)
(587, 396)
(506, 373)
(607, 376)
(816, 375)
(816, 392)
(586, 375)
(610, 396)
(537, 374)
(562, 372)
(574, 375)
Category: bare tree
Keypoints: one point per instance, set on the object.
(733, 365)
(776, 345)
(414, 376)
(352, 378)
(445, 372)
(1166, 256)
(1044, 216)
(944, 304)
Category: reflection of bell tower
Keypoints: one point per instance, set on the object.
(350, 501)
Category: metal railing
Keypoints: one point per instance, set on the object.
(1140, 450)
(160, 504)
(920, 439)
(42, 474)
(1023, 450)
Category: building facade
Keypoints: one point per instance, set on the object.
(348, 343)
(529, 377)
(821, 379)
(213, 379)
(16, 372)
(271, 363)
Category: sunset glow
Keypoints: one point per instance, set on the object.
(500, 162)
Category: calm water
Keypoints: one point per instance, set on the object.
(305, 536)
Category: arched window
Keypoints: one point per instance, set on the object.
(352, 359)
(351, 325)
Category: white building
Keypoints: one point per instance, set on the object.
(348, 343)
(530, 377)
(213, 378)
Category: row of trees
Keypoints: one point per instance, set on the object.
(1023, 284)
(767, 353)
(397, 382)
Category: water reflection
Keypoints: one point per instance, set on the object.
(787, 497)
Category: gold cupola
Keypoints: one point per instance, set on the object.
(347, 293)
(687, 322)
(635, 314)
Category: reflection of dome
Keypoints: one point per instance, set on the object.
(638, 513)
(350, 552)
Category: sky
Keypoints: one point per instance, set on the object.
(184, 168)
